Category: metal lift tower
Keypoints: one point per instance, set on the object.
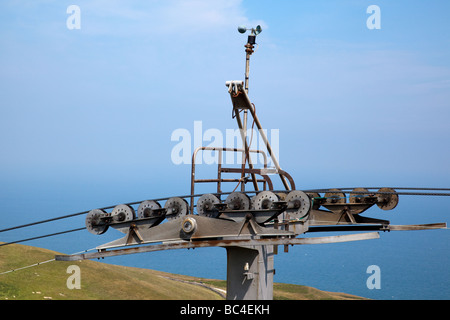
(250, 224)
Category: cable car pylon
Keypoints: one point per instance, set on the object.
(250, 224)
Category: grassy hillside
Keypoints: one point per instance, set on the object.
(112, 282)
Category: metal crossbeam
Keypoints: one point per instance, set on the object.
(219, 243)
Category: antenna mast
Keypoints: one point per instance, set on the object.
(251, 40)
(249, 49)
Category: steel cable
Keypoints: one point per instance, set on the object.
(104, 208)
(40, 263)
(40, 237)
(223, 193)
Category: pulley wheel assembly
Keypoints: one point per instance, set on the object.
(122, 213)
(146, 209)
(335, 196)
(315, 199)
(238, 201)
(299, 204)
(387, 201)
(205, 205)
(94, 223)
(263, 200)
(358, 197)
(176, 207)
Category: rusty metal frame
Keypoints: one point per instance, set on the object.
(219, 243)
(264, 172)
(241, 101)
(191, 244)
(220, 169)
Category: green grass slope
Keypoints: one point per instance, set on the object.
(101, 281)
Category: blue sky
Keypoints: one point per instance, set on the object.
(98, 105)
(86, 116)
(104, 99)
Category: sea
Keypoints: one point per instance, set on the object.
(409, 265)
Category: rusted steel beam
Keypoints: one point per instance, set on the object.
(219, 243)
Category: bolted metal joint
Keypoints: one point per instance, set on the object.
(189, 225)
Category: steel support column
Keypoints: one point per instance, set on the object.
(250, 273)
